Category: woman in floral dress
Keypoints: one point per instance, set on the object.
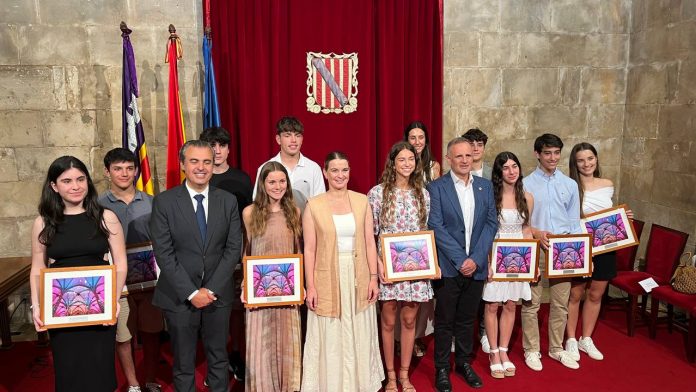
(400, 204)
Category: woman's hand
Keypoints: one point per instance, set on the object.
(36, 315)
(311, 298)
(242, 296)
(372, 291)
(490, 274)
(380, 272)
(629, 214)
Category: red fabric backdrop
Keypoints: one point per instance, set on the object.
(260, 49)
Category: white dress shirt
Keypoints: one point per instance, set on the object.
(465, 194)
(305, 177)
(193, 193)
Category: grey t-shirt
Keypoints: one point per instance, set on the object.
(134, 217)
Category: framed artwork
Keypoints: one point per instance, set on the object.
(409, 256)
(515, 260)
(610, 230)
(275, 280)
(569, 255)
(143, 271)
(77, 296)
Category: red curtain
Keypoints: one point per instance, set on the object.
(260, 49)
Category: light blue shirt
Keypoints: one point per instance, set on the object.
(556, 202)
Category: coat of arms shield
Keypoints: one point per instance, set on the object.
(332, 82)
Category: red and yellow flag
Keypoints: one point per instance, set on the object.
(175, 123)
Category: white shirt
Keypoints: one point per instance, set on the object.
(478, 173)
(193, 193)
(465, 194)
(306, 177)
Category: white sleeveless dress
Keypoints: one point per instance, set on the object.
(510, 227)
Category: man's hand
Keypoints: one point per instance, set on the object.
(468, 267)
(202, 299)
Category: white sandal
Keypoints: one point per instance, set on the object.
(508, 367)
(497, 370)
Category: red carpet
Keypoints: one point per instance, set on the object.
(631, 364)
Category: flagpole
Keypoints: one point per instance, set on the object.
(133, 136)
(175, 123)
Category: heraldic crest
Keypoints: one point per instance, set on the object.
(332, 82)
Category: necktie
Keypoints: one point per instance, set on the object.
(200, 216)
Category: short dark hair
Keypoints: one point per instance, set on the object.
(476, 135)
(193, 143)
(289, 124)
(216, 135)
(118, 155)
(547, 140)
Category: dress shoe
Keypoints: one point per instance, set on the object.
(442, 381)
(236, 366)
(470, 376)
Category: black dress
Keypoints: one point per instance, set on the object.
(83, 357)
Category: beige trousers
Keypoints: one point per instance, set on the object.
(558, 315)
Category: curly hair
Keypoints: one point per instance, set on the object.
(415, 181)
(259, 214)
(497, 180)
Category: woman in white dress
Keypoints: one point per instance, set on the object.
(595, 195)
(341, 351)
(514, 207)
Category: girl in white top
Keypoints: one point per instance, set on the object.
(514, 207)
(595, 194)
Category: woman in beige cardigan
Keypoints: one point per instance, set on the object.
(342, 349)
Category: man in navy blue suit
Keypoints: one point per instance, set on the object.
(463, 216)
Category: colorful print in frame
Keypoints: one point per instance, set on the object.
(143, 271)
(610, 230)
(274, 280)
(78, 296)
(569, 255)
(409, 256)
(515, 260)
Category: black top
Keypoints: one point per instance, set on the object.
(237, 183)
(78, 243)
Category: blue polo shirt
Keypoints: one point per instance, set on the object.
(556, 202)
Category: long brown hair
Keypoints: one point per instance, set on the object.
(574, 171)
(259, 214)
(497, 180)
(415, 181)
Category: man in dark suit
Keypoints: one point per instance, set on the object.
(464, 218)
(197, 240)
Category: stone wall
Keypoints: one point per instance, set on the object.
(60, 91)
(658, 166)
(520, 68)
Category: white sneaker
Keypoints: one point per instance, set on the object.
(452, 349)
(134, 388)
(571, 348)
(533, 360)
(485, 346)
(565, 358)
(587, 345)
